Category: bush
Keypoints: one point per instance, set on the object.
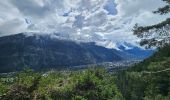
(92, 84)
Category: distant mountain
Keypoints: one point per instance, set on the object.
(134, 51)
(50, 51)
(126, 50)
(43, 51)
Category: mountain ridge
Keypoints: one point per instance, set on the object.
(43, 51)
(38, 52)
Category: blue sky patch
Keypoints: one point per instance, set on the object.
(111, 7)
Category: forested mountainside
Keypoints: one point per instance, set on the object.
(148, 80)
(41, 52)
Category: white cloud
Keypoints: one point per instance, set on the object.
(11, 21)
(131, 12)
(12, 26)
(78, 17)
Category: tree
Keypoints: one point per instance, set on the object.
(155, 35)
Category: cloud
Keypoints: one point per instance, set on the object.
(130, 12)
(32, 7)
(105, 19)
(12, 26)
(11, 21)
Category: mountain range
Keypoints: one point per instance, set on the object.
(45, 51)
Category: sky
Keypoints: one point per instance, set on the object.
(107, 19)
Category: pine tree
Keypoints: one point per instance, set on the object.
(155, 35)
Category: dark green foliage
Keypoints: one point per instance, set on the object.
(25, 84)
(160, 59)
(165, 9)
(92, 84)
(148, 80)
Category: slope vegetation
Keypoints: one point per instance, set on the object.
(148, 80)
